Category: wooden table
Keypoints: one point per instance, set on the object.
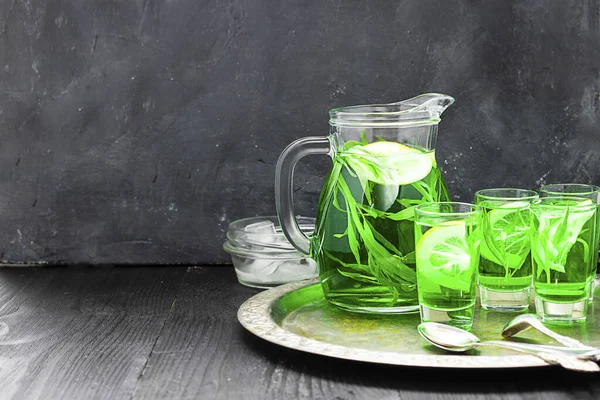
(171, 333)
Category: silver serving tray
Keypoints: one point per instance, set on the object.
(297, 316)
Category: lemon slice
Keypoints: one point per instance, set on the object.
(585, 202)
(390, 163)
(443, 256)
(383, 147)
(506, 239)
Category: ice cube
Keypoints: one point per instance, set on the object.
(311, 265)
(276, 271)
(261, 227)
(276, 241)
(259, 232)
(262, 267)
(287, 271)
(294, 270)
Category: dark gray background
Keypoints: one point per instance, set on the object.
(134, 131)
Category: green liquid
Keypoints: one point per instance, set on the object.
(435, 295)
(563, 292)
(364, 240)
(505, 262)
(448, 286)
(564, 252)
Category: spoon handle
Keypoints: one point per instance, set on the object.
(536, 348)
(568, 361)
(564, 340)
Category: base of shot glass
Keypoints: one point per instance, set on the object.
(561, 313)
(455, 317)
(376, 310)
(494, 300)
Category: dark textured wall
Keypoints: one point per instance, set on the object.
(134, 131)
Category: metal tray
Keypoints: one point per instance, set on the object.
(297, 316)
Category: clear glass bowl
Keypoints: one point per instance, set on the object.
(262, 256)
(268, 269)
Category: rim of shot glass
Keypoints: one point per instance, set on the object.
(576, 203)
(428, 209)
(494, 194)
(558, 189)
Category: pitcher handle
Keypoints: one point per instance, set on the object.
(284, 186)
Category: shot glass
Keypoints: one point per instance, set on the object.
(591, 192)
(447, 237)
(505, 251)
(563, 251)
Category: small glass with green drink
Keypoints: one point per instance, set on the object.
(563, 249)
(591, 192)
(505, 262)
(447, 237)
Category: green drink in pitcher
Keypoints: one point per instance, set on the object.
(383, 166)
(368, 259)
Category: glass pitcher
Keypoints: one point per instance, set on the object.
(383, 165)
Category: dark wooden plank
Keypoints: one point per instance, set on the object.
(204, 353)
(197, 338)
(80, 332)
(150, 333)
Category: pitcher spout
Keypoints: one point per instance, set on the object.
(433, 103)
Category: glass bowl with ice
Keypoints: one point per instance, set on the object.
(262, 256)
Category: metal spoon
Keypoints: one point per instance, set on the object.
(457, 340)
(525, 321)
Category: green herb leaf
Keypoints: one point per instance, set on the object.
(376, 258)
